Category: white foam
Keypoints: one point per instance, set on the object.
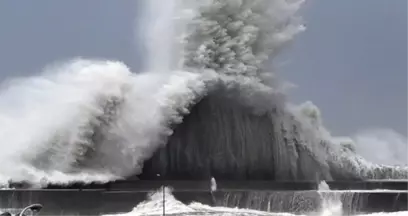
(47, 121)
(154, 206)
(97, 121)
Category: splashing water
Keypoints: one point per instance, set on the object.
(91, 120)
(153, 207)
(393, 146)
(81, 123)
(94, 117)
(94, 120)
(331, 202)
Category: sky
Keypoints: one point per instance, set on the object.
(351, 61)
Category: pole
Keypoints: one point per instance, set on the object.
(164, 202)
(164, 197)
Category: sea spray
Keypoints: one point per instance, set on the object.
(213, 185)
(97, 121)
(392, 145)
(156, 29)
(89, 121)
(331, 204)
(153, 207)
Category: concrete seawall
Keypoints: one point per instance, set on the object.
(279, 196)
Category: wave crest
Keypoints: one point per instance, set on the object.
(222, 113)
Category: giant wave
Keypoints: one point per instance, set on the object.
(206, 105)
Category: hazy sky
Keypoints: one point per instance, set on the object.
(351, 62)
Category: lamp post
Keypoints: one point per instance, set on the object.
(164, 201)
(164, 197)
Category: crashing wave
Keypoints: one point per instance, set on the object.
(93, 119)
(243, 128)
(221, 114)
